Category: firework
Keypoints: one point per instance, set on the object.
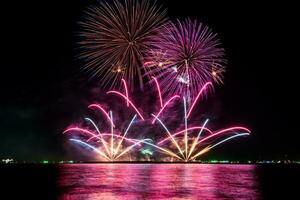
(188, 148)
(114, 37)
(184, 145)
(110, 146)
(184, 57)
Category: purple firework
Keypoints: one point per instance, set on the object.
(184, 57)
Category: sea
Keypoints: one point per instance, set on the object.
(149, 181)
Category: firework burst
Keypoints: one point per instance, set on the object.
(108, 145)
(184, 57)
(187, 146)
(114, 37)
(111, 145)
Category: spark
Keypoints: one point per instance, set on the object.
(125, 133)
(93, 123)
(166, 104)
(99, 107)
(90, 146)
(112, 136)
(174, 141)
(109, 134)
(196, 140)
(126, 91)
(101, 138)
(130, 147)
(217, 74)
(80, 130)
(159, 93)
(134, 107)
(224, 131)
(199, 94)
(208, 148)
(191, 128)
(185, 128)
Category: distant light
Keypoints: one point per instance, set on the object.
(224, 161)
(6, 161)
(45, 161)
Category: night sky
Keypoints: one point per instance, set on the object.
(43, 88)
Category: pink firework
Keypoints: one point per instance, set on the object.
(184, 57)
(186, 144)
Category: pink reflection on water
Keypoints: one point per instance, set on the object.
(157, 181)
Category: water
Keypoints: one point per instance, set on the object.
(149, 181)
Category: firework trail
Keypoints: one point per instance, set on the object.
(184, 57)
(115, 35)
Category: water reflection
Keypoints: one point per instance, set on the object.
(158, 181)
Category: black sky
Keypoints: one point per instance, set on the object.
(43, 88)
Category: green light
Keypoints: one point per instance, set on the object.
(147, 151)
(224, 161)
(213, 161)
(45, 161)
